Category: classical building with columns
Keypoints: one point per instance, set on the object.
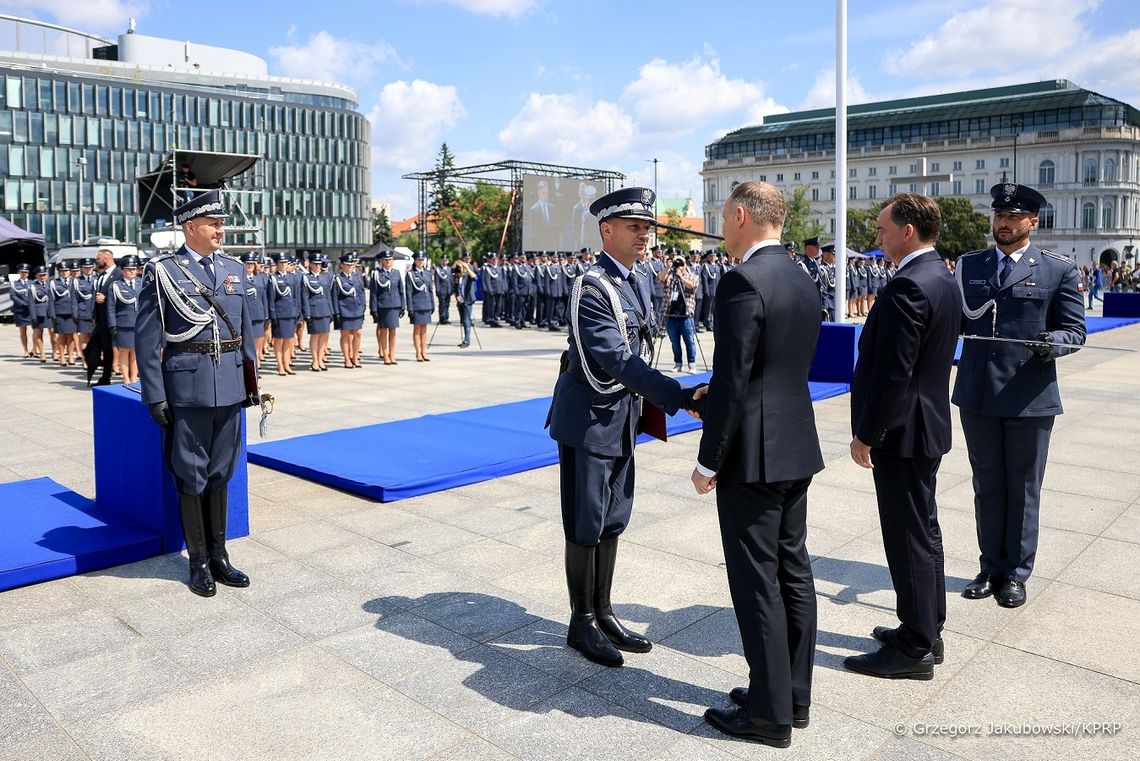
(1079, 148)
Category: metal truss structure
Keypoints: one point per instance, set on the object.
(507, 175)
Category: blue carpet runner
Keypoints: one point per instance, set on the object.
(407, 458)
(48, 532)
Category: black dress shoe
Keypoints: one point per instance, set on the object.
(1011, 594)
(981, 586)
(736, 722)
(886, 635)
(801, 715)
(888, 662)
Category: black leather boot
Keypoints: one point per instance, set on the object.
(605, 558)
(584, 634)
(217, 510)
(193, 528)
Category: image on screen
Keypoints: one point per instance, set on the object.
(556, 213)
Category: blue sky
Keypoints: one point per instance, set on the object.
(613, 85)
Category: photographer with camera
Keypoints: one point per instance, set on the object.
(680, 289)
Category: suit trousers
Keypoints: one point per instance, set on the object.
(912, 540)
(763, 528)
(202, 446)
(596, 492)
(1007, 458)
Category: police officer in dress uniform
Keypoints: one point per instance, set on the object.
(284, 313)
(594, 418)
(122, 311)
(83, 287)
(441, 278)
(257, 298)
(387, 304)
(317, 311)
(1006, 393)
(421, 303)
(656, 263)
(710, 277)
(61, 309)
(20, 314)
(491, 278)
(190, 362)
(827, 279)
(523, 282)
(349, 306)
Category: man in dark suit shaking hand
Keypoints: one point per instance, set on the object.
(900, 419)
(759, 450)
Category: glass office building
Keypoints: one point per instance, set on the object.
(81, 118)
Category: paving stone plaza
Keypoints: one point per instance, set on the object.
(433, 628)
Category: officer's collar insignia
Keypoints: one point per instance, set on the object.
(185, 262)
(1032, 260)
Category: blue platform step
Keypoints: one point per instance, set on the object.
(407, 458)
(49, 532)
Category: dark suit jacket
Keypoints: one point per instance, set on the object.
(759, 425)
(900, 393)
(1006, 380)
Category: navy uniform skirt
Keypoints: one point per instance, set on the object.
(421, 317)
(124, 338)
(318, 325)
(65, 326)
(388, 317)
(85, 326)
(351, 323)
(40, 321)
(22, 318)
(285, 328)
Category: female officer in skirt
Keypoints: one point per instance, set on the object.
(348, 308)
(317, 310)
(20, 314)
(83, 286)
(256, 298)
(122, 307)
(386, 289)
(421, 303)
(39, 307)
(61, 306)
(284, 311)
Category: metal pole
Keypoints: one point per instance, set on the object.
(82, 163)
(840, 160)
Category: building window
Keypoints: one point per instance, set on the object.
(935, 189)
(934, 166)
(1003, 163)
(914, 187)
(832, 193)
(892, 189)
(1108, 215)
(956, 167)
(980, 164)
(1109, 170)
(853, 193)
(796, 176)
(979, 186)
(1046, 173)
(873, 171)
(914, 168)
(1088, 172)
(833, 225)
(852, 172)
(815, 194)
(832, 174)
(780, 177)
(1088, 216)
(873, 192)
(815, 175)
(892, 169)
(763, 178)
(1046, 217)
(956, 187)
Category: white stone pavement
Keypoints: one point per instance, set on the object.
(433, 627)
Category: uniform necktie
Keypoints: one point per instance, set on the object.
(209, 267)
(1006, 268)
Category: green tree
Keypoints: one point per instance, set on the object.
(381, 227)
(481, 213)
(410, 239)
(861, 228)
(671, 238)
(443, 196)
(963, 227)
(799, 220)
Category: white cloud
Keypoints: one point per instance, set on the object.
(1103, 67)
(567, 129)
(822, 93)
(408, 122)
(84, 15)
(677, 177)
(508, 8)
(681, 98)
(996, 35)
(327, 58)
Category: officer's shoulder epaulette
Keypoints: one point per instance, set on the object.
(1055, 255)
(974, 253)
(231, 257)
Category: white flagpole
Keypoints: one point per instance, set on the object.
(840, 160)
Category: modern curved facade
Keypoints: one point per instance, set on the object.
(122, 106)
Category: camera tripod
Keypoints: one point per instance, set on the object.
(660, 320)
(474, 332)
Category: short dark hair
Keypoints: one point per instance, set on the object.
(918, 210)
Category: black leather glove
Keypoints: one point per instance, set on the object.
(1041, 346)
(160, 411)
(114, 332)
(402, 312)
(695, 405)
(336, 323)
(376, 317)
